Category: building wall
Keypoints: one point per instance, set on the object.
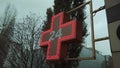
(113, 17)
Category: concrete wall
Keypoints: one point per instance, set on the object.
(113, 17)
(111, 3)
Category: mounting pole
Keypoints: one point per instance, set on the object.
(92, 29)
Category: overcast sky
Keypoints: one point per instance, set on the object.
(25, 6)
(39, 7)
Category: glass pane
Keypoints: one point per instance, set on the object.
(100, 23)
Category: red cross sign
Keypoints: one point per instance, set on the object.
(59, 36)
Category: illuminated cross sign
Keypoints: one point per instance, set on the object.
(59, 36)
